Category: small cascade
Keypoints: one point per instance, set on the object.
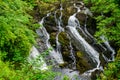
(81, 44)
(60, 29)
(105, 41)
(73, 21)
(36, 59)
(91, 37)
(72, 75)
(54, 55)
(86, 31)
(72, 56)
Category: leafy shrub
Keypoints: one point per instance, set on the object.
(25, 73)
(112, 71)
(106, 13)
(15, 36)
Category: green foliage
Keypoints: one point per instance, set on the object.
(106, 13)
(112, 71)
(16, 39)
(31, 3)
(5, 72)
(27, 72)
(66, 78)
(15, 35)
(49, 1)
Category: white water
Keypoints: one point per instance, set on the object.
(73, 21)
(36, 59)
(72, 56)
(55, 55)
(65, 71)
(86, 31)
(70, 73)
(60, 29)
(105, 41)
(91, 37)
(93, 54)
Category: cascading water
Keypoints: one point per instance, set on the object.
(72, 56)
(74, 34)
(65, 71)
(86, 31)
(105, 41)
(35, 57)
(94, 40)
(76, 39)
(57, 56)
(60, 29)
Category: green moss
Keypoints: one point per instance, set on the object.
(53, 39)
(63, 39)
(79, 54)
(82, 62)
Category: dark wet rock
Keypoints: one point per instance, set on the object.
(95, 74)
(50, 24)
(81, 17)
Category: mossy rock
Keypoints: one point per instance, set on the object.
(53, 39)
(79, 54)
(65, 45)
(82, 62)
(67, 12)
(42, 8)
(63, 39)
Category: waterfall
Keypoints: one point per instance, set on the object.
(54, 55)
(86, 31)
(95, 41)
(60, 29)
(73, 21)
(105, 41)
(81, 43)
(65, 71)
(36, 59)
(77, 35)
